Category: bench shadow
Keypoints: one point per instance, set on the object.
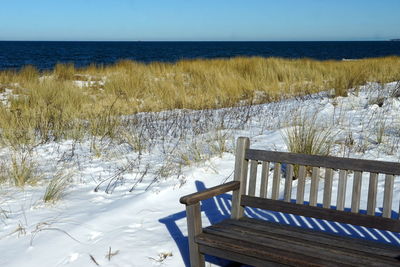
(218, 209)
(214, 213)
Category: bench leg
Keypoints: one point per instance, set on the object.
(194, 228)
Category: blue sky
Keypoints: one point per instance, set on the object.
(188, 20)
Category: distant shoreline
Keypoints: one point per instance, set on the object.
(194, 41)
(44, 55)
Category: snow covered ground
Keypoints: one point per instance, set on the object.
(122, 207)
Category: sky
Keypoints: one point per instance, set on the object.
(199, 20)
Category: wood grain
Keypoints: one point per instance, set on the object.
(328, 188)
(325, 161)
(341, 196)
(301, 182)
(288, 183)
(240, 175)
(264, 179)
(372, 192)
(356, 194)
(209, 193)
(253, 177)
(388, 196)
(194, 229)
(276, 179)
(314, 186)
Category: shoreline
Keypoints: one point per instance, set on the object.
(46, 54)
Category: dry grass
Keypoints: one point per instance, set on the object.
(199, 84)
(49, 106)
(22, 171)
(56, 188)
(307, 137)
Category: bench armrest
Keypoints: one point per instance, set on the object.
(209, 193)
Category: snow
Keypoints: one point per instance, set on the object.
(88, 83)
(134, 217)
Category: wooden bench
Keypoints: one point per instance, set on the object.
(261, 243)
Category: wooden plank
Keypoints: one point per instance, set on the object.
(348, 243)
(264, 179)
(209, 193)
(253, 177)
(285, 246)
(288, 182)
(194, 228)
(326, 161)
(305, 247)
(372, 190)
(301, 182)
(328, 188)
(237, 257)
(276, 181)
(240, 175)
(259, 251)
(355, 196)
(388, 196)
(341, 196)
(322, 213)
(314, 186)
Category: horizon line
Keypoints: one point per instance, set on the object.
(227, 41)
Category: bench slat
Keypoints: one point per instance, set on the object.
(326, 161)
(221, 246)
(328, 188)
(264, 179)
(240, 175)
(314, 186)
(350, 243)
(253, 177)
(300, 185)
(322, 213)
(288, 182)
(372, 190)
(302, 252)
(276, 181)
(309, 247)
(341, 196)
(235, 256)
(355, 196)
(388, 196)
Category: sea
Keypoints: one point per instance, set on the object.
(45, 54)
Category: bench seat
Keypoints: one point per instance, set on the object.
(255, 242)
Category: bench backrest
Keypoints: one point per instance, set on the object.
(286, 164)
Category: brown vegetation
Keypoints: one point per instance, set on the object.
(49, 105)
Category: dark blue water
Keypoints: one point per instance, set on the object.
(44, 55)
